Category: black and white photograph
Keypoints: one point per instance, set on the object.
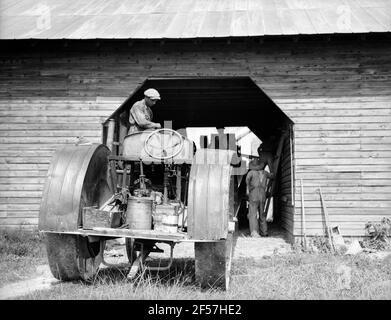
(195, 154)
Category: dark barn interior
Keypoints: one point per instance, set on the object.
(212, 102)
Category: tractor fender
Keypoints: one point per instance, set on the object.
(77, 177)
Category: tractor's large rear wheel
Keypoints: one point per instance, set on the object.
(77, 178)
(73, 257)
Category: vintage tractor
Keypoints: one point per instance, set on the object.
(159, 189)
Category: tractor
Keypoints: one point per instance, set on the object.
(158, 189)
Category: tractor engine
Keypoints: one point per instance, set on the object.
(156, 197)
(155, 180)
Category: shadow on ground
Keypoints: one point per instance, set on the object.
(181, 271)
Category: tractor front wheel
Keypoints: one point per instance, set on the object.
(131, 250)
(213, 263)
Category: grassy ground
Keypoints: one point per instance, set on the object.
(20, 253)
(291, 276)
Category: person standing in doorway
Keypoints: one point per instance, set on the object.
(256, 181)
(266, 152)
(140, 117)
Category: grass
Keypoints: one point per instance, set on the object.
(21, 252)
(296, 275)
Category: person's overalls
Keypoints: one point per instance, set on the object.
(256, 181)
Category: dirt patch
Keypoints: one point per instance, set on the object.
(41, 280)
(257, 248)
(246, 247)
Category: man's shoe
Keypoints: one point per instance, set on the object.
(255, 234)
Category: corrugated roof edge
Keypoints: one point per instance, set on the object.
(268, 36)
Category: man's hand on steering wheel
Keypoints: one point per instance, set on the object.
(160, 133)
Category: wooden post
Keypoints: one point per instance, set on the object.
(110, 135)
(303, 215)
(327, 222)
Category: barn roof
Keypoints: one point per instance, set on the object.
(176, 19)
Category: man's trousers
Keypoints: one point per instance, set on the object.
(254, 208)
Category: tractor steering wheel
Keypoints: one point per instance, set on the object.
(163, 140)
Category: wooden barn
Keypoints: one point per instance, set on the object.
(319, 69)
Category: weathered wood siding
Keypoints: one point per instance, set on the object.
(286, 187)
(338, 93)
(343, 144)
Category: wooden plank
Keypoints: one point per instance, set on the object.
(343, 140)
(349, 182)
(334, 105)
(19, 187)
(7, 195)
(346, 119)
(57, 113)
(342, 168)
(24, 160)
(50, 126)
(342, 99)
(43, 140)
(342, 211)
(24, 174)
(343, 161)
(343, 133)
(337, 218)
(23, 166)
(342, 126)
(356, 187)
(344, 147)
(349, 204)
(19, 207)
(139, 234)
(347, 196)
(20, 180)
(21, 200)
(19, 214)
(18, 221)
(341, 112)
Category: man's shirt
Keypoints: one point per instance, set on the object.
(256, 182)
(140, 116)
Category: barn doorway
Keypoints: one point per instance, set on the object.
(225, 105)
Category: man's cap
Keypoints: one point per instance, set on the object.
(152, 94)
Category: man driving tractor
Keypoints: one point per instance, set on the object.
(140, 117)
